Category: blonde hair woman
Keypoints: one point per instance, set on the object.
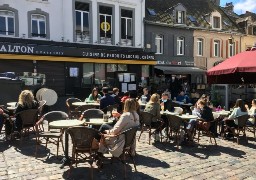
(128, 119)
(26, 101)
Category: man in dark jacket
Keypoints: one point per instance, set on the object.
(106, 100)
(166, 102)
(117, 99)
(206, 115)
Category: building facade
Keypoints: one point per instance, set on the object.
(75, 45)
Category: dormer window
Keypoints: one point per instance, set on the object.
(216, 22)
(180, 17)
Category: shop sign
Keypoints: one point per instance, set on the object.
(177, 63)
(72, 52)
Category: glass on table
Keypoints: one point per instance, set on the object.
(162, 108)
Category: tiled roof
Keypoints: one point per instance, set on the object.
(198, 12)
(247, 14)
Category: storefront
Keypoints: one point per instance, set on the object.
(74, 69)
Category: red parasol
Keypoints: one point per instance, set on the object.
(238, 69)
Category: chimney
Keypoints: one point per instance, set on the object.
(229, 7)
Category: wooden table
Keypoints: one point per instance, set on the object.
(64, 124)
(85, 103)
(98, 121)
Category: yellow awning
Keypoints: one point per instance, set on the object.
(74, 59)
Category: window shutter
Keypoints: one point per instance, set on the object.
(227, 54)
(236, 47)
(211, 48)
(222, 48)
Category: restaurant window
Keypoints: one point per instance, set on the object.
(199, 47)
(216, 22)
(144, 70)
(38, 25)
(99, 75)
(232, 49)
(180, 17)
(159, 44)
(105, 25)
(216, 45)
(180, 46)
(88, 75)
(7, 23)
(82, 22)
(111, 67)
(126, 27)
(121, 67)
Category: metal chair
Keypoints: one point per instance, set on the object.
(29, 118)
(241, 126)
(174, 124)
(51, 134)
(206, 130)
(40, 112)
(92, 113)
(82, 139)
(72, 113)
(252, 128)
(81, 109)
(110, 108)
(146, 120)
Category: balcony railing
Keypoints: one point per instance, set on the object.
(127, 41)
(106, 39)
(83, 36)
(38, 35)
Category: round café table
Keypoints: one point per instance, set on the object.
(98, 121)
(85, 103)
(64, 124)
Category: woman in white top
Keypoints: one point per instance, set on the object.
(251, 112)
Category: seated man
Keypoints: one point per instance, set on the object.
(106, 100)
(182, 97)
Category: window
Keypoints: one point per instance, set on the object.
(231, 49)
(144, 70)
(88, 75)
(216, 49)
(200, 47)
(180, 17)
(82, 21)
(105, 25)
(216, 22)
(159, 41)
(99, 74)
(122, 67)
(38, 25)
(180, 46)
(126, 27)
(6, 23)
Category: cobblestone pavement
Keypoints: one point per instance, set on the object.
(164, 160)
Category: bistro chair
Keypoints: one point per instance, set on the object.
(146, 120)
(201, 128)
(72, 113)
(40, 112)
(174, 124)
(55, 135)
(81, 109)
(129, 147)
(241, 127)
(92, 113)
(110, 108)
(82, 139)
(251, 128)
(29, 118)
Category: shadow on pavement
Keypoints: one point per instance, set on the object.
(150, 162)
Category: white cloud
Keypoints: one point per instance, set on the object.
(245, 5)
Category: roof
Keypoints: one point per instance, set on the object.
(247, 14)
(198, 13)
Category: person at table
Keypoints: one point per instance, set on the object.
(106, 100)
(117, 99)
(231, 121)
(153, 107)
(251, 112)
(182, 97)
(146, 96)
(94, 96)
(128, 119)
(126, 96)
(4, 115)
(26, 101)
(166, 102)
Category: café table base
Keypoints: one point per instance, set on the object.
(66, 161)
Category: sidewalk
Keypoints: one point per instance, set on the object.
(227, 160)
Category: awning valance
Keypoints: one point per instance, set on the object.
(74, 59)
(180, 70)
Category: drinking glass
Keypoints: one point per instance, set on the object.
(162, 108)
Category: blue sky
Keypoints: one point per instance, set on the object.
(240, 6)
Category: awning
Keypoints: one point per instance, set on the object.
(74, 59)
(180, 70)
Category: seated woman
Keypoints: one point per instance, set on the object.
(251, 112)
(26, 101)
(206, 115)
(94, 96)
(153, 107)
(128, 119)
(231, 121)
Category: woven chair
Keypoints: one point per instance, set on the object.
(174, 124)
(92, 113)
(207, 131)
(29, 118)
(110, 108)
(241, 127)
(81, 109)
(72, 113)
(130, 136)
(252, 128)
(146, 120)
(82, 139)
(55, 135)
